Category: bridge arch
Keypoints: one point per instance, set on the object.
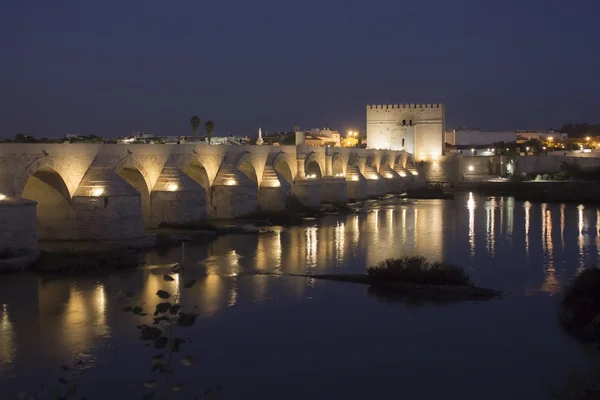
(45, 162)
(245, 164)
(196, 170)
(281, 164)
(136, 175)
(337, 165)
(45, 185)
(312, 166)
(387, 161)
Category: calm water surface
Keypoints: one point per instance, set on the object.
(274, 337)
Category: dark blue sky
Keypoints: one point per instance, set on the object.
(116, 66)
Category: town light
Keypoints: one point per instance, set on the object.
(2, 197)
(527, 148)
(173, 187)
(471, 168)
(473, 150)
(544, 147)
(550, 139)
(587, 138)
(97, 191)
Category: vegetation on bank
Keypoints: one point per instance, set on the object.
(414, 280)
(579, 312)
(419, 271)
(568, 172)
(579, 315)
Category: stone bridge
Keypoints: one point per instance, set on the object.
(116, 191)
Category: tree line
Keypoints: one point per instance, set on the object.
(580, 129)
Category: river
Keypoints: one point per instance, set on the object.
(282, 337)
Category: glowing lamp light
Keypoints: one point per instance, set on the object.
(471, 168)
(544, 148)
(355, 178)
(172, 187)
(230, 182)
(97, 191)
(415, 173)
(587, 138)
(473, 150)
(402, 174)
(2, 197)
(550, 139)
(389, 176)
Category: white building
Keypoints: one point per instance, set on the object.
(541, 135)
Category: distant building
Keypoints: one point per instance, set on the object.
(142, 135)
(477, 137)
(323, 137)
(548, 135)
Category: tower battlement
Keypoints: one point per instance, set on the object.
(417, 128)
(403, 106)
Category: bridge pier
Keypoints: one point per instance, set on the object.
(356, 184)
(18, 225)
(176, 198)
(308, 191)
(334, 190)
(394, 182)
(107, 208)
(376, 185)
(274, 191)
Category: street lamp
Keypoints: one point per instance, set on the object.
(587, 139)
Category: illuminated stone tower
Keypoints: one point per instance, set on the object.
(415, 128)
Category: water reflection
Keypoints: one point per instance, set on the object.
(527, 207)
(490, 209)
(510, 216)
(7, 337)
(475, 232)
(580, 237)
(471, 208)
(562, 226)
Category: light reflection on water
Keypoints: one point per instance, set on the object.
(502, 243)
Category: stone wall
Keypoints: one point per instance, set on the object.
(543, 164)
(18, 225)
(439, 169)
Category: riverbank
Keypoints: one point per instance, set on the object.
(583, 192)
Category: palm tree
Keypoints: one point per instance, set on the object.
(209, 127)
(195, 122)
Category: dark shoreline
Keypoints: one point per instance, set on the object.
(410, 291)
(579, 192)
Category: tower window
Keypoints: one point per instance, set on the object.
(403, 122)
(410, 122)
(402, 142)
